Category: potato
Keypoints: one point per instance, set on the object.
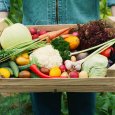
(24, 74)
(45, 70)
(22, 61)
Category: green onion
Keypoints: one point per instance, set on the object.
(107, 45)
(27, 46)
(89, 49)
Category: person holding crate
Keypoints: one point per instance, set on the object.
(43, 12)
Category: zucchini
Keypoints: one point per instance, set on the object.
(33, 75)
(4, 64)
(10, 70)
(24, 67)
(14, 67)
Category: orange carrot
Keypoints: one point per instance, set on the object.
(54, 34)
(66, 32)
(65, 35)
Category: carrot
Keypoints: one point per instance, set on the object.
(54, 34)
(66, 32)
(66, 35)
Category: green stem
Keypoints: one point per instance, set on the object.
(99, 50)
(75, 53)
(8, 21)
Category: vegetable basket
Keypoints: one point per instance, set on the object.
(93, 84)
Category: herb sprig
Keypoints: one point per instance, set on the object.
(62, 46)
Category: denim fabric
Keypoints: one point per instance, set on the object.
(50, 103)
(81, 103)
(46, 103)
(69, 11)
(111, 3)
(4, 5)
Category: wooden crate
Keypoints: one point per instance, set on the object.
(106, 84)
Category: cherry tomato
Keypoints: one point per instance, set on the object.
(107, 52)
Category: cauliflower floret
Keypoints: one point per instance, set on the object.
(47, 56)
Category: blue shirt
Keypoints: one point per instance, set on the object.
(38, 12)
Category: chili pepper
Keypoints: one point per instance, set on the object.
(36, 70)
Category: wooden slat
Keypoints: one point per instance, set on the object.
(53, 27)
(47, 85)
(57, 82)
(106, 84)
(61, 88)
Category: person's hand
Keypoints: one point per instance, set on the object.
(3, 15)
(3, 24)
(111, 21)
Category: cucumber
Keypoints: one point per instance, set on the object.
(24, 67)
(4, 64)
(14, 67)
(33, 75)
(10, 70)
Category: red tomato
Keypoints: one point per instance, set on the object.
(107, 52)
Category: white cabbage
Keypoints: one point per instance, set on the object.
(96, 66)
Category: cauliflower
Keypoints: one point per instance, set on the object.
(47, 56)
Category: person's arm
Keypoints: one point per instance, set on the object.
(4, 8)
(111, 3)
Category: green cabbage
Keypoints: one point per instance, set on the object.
(96, 66)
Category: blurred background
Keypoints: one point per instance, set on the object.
(20, 103)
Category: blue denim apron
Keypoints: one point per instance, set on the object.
(43, 12)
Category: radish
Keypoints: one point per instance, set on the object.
(74, 74)
(41, 32)
(75, 33)
(62, 68)
(33, 30)
(35, 36)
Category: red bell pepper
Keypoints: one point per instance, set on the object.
(107, 52)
